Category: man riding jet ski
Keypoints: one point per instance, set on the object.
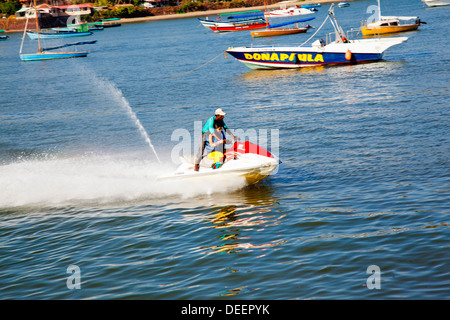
(242, 159)
(209, 129)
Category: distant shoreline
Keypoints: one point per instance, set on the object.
(18, 25)
(198, 14)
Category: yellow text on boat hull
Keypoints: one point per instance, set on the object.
(284, 57)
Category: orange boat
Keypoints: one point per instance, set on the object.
(272, 31)
(390, 24)
(277, 32)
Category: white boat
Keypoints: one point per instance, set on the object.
(320, 52)
(244, 159)
(343, 4)
(286, 11)
(436, 3)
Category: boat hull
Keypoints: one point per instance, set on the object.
(52, 55)
(277, 32)
(238, 27)
(56, 35)
(436, 3)
(251, 175)
(358, 51)
(370, 31)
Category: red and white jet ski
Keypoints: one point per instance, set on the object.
(243, 159)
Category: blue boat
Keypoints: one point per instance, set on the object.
(44, 55)
(48, 53)
(57, 35)
(310, 6)
(339, 51)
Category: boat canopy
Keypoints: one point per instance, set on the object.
(251, 15)
(69, 45)
(397, 18)
(291, 22)
(242, 12)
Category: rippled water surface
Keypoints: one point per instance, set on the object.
(364, 179)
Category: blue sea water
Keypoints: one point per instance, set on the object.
(364, 179)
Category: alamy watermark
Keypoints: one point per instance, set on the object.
(74, 15)
(74, 280)
(374, 280)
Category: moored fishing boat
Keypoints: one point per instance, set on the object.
(48, 53)
(111, 23)
(273, 30)
(228, 18)
(45, 55)
(278, 32)
(240, 26)
(311, 6)
(339, 51)
(63, 33)
(3, 37)
(236, 22)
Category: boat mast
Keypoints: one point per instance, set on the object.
(379, 11)
(24, 33)
(339, 32)
(37, 26)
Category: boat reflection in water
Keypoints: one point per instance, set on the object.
(237, 227)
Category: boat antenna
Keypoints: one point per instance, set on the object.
(379, 11)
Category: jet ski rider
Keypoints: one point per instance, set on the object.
(215, 144)
(209, 131)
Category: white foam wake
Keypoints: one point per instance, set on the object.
(66, 181)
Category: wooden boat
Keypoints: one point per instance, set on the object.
(236, 22)
(277, 32)
(57, 34)
(48, 53)
(241, 22)
(338, 52)
(390, 24)
(43, 55)
(273, 30)
(110, 23)
(226, 18)
(240, 26)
